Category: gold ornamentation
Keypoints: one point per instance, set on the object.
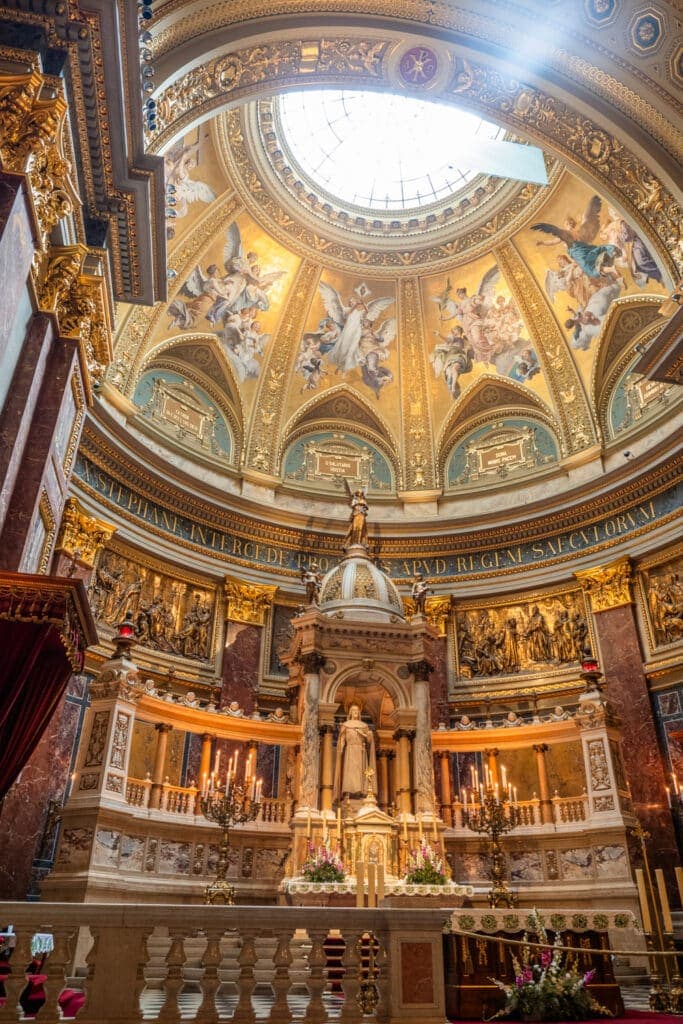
(81, 535)
(263, 447)
(437, 611)
(607, 586)
(662, 590)
(571, 403)
(248, 602)
(418, 447)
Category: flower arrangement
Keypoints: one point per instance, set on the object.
(547, 987)
(322, 865)
(425, 867)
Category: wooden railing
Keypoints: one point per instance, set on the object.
(158, 963)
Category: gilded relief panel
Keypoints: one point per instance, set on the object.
(661, 589)
(585, 256)
(473, 326)
(172, 615)
(350, 337)
(526, 636)
(237, 291)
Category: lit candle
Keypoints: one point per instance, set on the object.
(675, 781)
(380, 883)
(259, 791)
(668, 795)
(339, 823)
(510, 792)
(464, 799)
(476, 778)
(514, 790)
(481, 792)
(642, 896)
(217, 762)
(205, 785)
(472, 774)
(234, 767)
(664, 900)
(503, 775)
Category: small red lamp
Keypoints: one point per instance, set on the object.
(125, 636)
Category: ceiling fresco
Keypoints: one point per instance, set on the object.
(233, 280)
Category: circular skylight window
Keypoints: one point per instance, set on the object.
(385, 152)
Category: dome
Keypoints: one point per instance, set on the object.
(357, 589)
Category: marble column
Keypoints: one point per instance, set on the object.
(423, 762)
(327, 768)
(546, 804)
(310, 732)
(446, 788)
(205, 760)
(492, 762)
(609, 589)
(391, 778)
(403, 739)
(383, 778)
(163, 729)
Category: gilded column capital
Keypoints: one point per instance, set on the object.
(607, 586)
(437, 610)
(248, 602)
(81, 536)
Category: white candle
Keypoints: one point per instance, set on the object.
(514, 790)
(668, 795)
(503, 775)
(464, 799)
(472, 774)
(664, 901)
(217, 762)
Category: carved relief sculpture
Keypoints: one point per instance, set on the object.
(120, 740)
(663, 589)
(248, 602)
(522, 637)
(608, 586)
(170, 614)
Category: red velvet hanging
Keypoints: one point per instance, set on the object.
(34, 671)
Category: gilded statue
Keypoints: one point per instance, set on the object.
(311, 579)
(665, 601)
(355, 757)
(357, 533)
(419, 591)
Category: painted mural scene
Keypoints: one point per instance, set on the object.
(341, 573)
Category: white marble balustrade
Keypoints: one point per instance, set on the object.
(161, 963)
(184, 801)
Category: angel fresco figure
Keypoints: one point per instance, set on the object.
(639, 260)
(242, 286)
(596, 261)
(356, 323)
(452, 358)
(181, 189)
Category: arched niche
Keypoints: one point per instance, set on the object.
(635, 401)
(179, 409)
(377, 691)
(495, 450)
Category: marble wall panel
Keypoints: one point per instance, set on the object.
(241, 660)
(143, 750)
(472, 867)
(132, 853)
(30, 808)
(576, 863)
(174, 858)
(106, 850)
(438, 680)
(566, 769)
(525, 866)
(611, 861)
(521, 771)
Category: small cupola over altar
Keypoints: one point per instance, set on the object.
(361, 673)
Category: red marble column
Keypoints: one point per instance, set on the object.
(35, 467)
(241, 660)
(437, 652)
(627, 693)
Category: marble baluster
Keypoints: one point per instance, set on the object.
(316, 980)
(140, 980)
(246, 982)
(175, 958)
(211, 982)
(281, 982)
(382, 981)
(351, 1012)
(55, 969)
(15, 983)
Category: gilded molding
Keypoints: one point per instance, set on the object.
(607, 586)
(248, 602)
(571, 403)
(437, 612)
(266, 426)
(418, 442)
(81, 535)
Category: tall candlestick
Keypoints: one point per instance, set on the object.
(664, 900)
(360, 884)
(642, 896)
(679, 880)
(405, 829)
(372, 890)
(419, 828)
(380, 883)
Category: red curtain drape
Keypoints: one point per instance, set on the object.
(34, 671)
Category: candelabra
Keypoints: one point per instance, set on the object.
(228, 803)
(489, 818)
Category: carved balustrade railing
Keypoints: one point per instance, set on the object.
(183, 800)
(567, 812)
(570, 810)
(164, 963)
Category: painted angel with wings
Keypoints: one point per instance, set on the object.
(181, 189)
(472, 312)
(242, 286)
(596, 261)
(356, 325)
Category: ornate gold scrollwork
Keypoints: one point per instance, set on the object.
(607, 586)
(81, 535)
(248, 602)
